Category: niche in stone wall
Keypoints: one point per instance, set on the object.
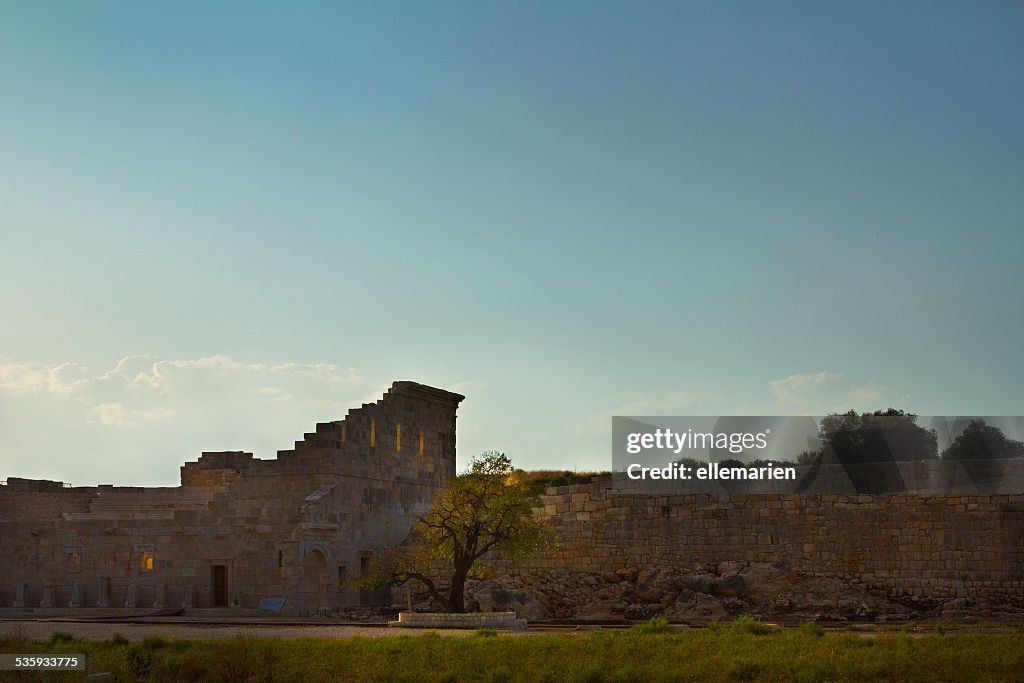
(73, 559)
(147, 557)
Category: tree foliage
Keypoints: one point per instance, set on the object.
(981, 441)
(807, 457)
(884, 435)
(480, 511)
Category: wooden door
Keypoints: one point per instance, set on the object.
(219, 579)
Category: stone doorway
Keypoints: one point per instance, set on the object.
(219, 585)
(317, 580)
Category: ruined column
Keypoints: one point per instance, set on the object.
(130, 598)
(20, 591)
(186, 596)
(76, 595)
(161, 596)
(47, 600)
(103, 598)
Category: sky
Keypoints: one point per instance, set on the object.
(221, 223)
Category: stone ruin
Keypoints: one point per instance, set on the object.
(699, 557)
(302, 527)
(238, 529)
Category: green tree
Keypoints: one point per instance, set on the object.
(807, 457)
(884, 435)
(981, 441)
(478, 512)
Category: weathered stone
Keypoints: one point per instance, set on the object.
(645, 592)
(637, 612)
(686, 598)
(706, 608)
(730, 585)
(492, 596)
(698, 583)
(601, 609)
(647, 575)
(239, 529)
(627, 574)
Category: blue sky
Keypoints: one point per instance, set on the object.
(224, 222)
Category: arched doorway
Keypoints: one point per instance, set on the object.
(316, 580)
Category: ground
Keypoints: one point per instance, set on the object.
(43, 630)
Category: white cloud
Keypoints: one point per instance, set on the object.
(468, 385)
(67, 379)
(22, 378)
(141, 389)
(18, 379)
(117, 415)
(798, 388)
(827, 392)
(139, 419)
(325, 371)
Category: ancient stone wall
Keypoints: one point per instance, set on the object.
(303, 525)
(937, 546)
(238, 528)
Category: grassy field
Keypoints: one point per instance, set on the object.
(742, 651)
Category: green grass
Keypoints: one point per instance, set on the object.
(655, 625)
(745, 650)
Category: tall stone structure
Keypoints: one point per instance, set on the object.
(237, 529)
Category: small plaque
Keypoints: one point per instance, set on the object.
(271, 603)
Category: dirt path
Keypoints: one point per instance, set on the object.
(42, 630)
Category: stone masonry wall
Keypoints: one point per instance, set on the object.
(299, 526)
(923, 545)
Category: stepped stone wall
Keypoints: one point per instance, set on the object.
(238, 529)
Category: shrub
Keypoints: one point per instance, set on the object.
(61, 638)
(809, 628)
(655, 625)
(154, 643)
(747, 625)
(140, 660)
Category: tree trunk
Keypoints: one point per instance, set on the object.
(457, 593)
